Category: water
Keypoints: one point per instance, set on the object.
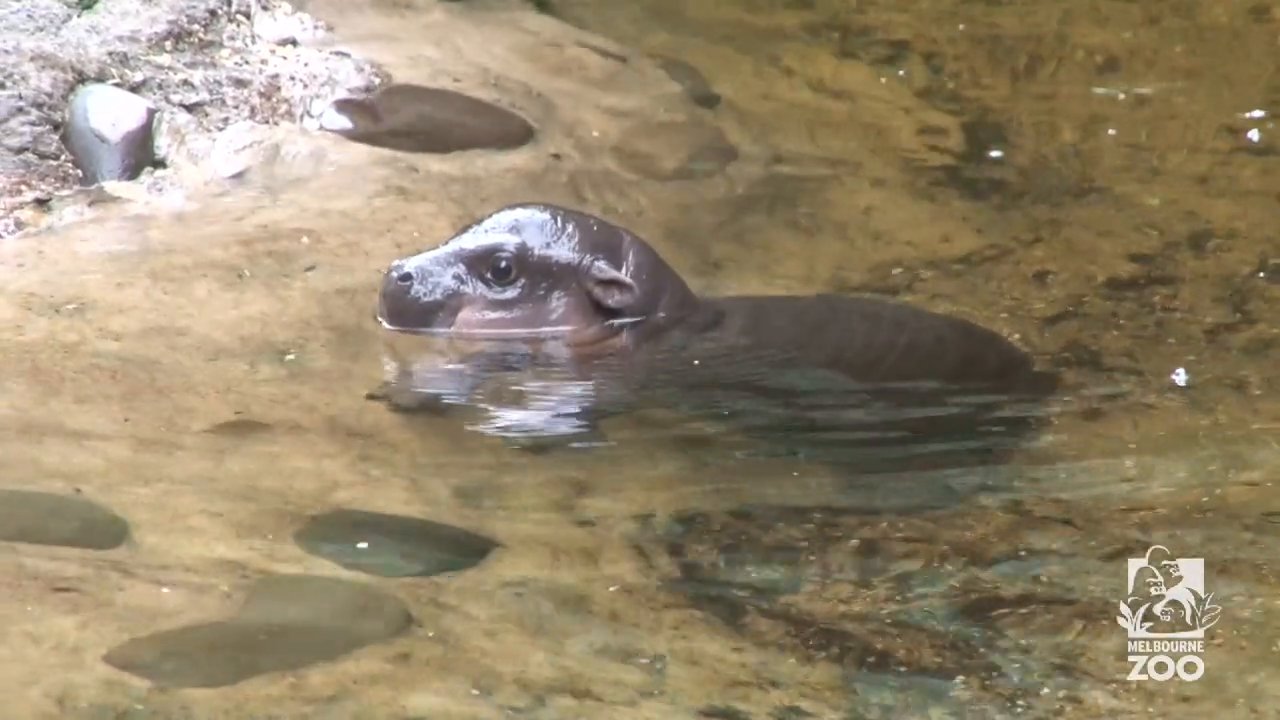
(1091, 180)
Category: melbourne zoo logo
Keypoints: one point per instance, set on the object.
(1165, 614)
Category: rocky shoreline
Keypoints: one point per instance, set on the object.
(218, 73)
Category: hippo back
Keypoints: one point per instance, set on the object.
(875, 341)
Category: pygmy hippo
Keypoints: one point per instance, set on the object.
(540, 285)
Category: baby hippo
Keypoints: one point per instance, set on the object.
(572, 291)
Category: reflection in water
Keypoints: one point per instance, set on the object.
(540, 390)
(527, 394)
(203, 376)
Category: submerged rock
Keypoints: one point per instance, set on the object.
(670, 150)
(287, 622)
(41, 518)
(412, 118)
(391, 545)
(690, 79)
(109, 133)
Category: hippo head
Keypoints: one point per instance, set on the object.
(533, 271)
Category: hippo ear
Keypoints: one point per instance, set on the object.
(609, 287)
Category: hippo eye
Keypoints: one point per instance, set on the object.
(502, 269)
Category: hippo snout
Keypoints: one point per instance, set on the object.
(400, 274)
(400, 305)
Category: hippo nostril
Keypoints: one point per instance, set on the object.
(405, 278)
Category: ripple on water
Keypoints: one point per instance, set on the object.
(42, 518)
(391, 545)
(287, 622)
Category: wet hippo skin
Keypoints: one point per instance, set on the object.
(621, 328)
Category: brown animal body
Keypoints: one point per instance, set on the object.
(847, 373)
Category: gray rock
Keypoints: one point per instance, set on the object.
(42, 518)
(287, 622)
(417, 119)
(109, 133)
(179, 139)
(240, 147)
(282, 26)
(392, 545)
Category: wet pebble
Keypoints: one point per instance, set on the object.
(287, 622)
(416, 119)
(669, 150)
(41, 518)
(109, 133)
(391, 545)
(691, 80)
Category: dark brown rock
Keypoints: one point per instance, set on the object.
(412, 118)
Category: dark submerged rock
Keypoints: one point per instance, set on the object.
(287, 622)
(239, 428)
(723, 712)
(41, 518)
(391, 545)
(692, 80)
(417, 119)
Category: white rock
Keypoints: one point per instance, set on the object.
(241, 146)
(334, 121)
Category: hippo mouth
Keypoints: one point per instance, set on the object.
(462, 325)
(478, 333)
(457, 323)
(509, 333)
